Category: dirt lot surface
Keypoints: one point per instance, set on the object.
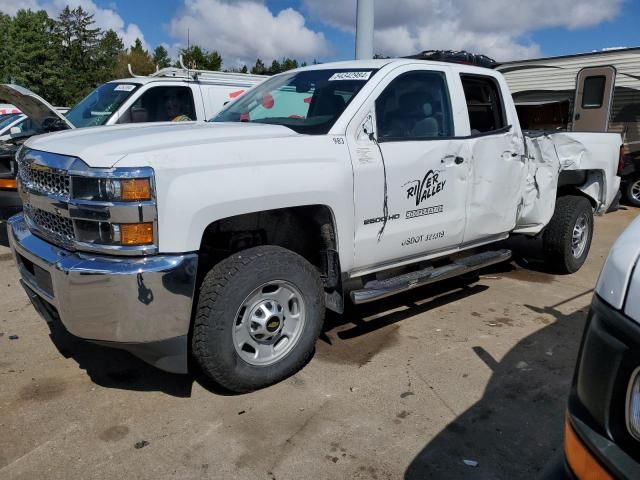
(406, 388)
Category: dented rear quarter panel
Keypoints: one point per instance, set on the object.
(549, 154)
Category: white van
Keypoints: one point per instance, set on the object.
(170, 94)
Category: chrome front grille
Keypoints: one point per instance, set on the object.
(44, 179)
(50, 223)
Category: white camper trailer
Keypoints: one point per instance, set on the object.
(607, 82)
(598, 91)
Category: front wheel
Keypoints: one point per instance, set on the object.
(259, 314)
(567, 238)
(632, 191)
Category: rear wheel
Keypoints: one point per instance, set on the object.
(632, 191)
(258, 317)
(567, 238)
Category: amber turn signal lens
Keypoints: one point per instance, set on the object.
(8, 183)
(136, 233)
(582, 463)
(135, 189)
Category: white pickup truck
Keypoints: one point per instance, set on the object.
(226, 240)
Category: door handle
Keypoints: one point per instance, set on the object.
(458, 160)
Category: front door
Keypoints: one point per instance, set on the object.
(410, 178)
(594, 93)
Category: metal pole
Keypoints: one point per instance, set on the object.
(364, 30)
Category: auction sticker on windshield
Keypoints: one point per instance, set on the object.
(124, 87)
(350, 76)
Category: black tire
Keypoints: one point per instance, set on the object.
(633, 198)
(558, 235)
(222, 293)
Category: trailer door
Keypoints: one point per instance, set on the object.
(594, 93)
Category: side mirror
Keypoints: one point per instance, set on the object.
(15, 131)
(366, 129)
(226, 103)
(139, 115)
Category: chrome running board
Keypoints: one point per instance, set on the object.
(377, 289)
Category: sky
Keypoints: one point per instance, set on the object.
(243, 30)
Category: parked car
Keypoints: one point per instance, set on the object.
(168, 95)
(20, 125)
(602, 427)
(372, 178)
(631, 180)
(7, 109)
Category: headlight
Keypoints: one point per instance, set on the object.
(633, 405)
(112, 189)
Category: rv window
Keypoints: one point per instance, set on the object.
(484, 104)
(593, 92)
(415, 106)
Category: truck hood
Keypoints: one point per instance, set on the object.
(103, 147)
(32, 105)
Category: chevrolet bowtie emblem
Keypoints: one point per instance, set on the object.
(41, 168)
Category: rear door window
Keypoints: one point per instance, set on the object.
(484, 104)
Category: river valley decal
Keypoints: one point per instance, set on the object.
(430, 185)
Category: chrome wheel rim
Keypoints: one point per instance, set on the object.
(269, 323)
(635, 190)
(580, 235)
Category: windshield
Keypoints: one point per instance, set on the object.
(308, 101)
(96, 108)
(6, 120)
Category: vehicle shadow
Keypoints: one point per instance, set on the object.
(368, 318)
(516, 427)
(118, 369)
(112, 368)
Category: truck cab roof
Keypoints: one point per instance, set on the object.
(398, 62)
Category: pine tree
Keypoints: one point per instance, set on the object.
(109, 49)
(5, 48)
(200, 59)
(258, 68)
(161, 57)
(36, 56)
(79, 42)
(139, 59)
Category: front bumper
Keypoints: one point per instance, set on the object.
(141, 304)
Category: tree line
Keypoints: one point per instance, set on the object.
(62, 59)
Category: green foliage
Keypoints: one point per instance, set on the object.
(140, 60)
(276, 66)
(200, 59)
(84, 63)
(259, 68)
(161, 57)
(35, 55)
(63, 59)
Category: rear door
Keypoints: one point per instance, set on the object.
(495, 160)
(594, 93)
